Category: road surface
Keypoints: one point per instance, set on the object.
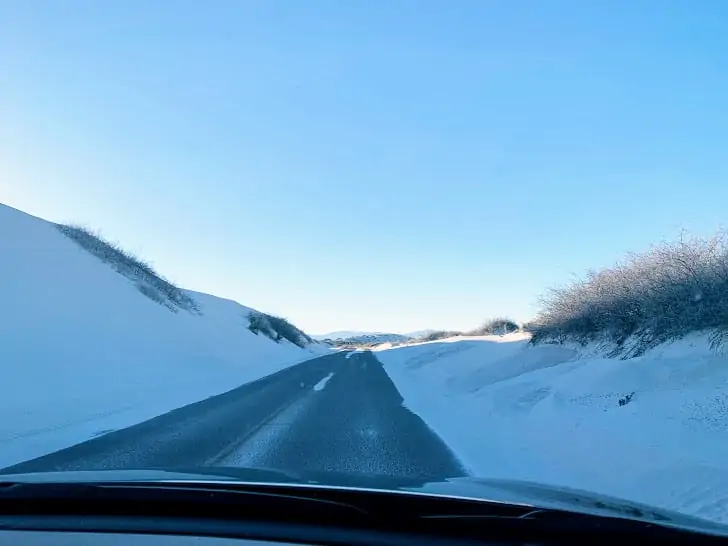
(339, 413)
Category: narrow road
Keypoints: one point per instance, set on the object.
(339, 413)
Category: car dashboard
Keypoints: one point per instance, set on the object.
(216, 514)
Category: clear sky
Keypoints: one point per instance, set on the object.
(369, 164)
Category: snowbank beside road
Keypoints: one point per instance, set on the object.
(650, 429)
(83, 351)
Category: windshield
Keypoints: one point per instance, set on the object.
(420, 245)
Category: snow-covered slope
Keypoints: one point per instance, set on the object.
(84, 351)
(650, 429)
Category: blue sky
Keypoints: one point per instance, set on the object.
(385, 165)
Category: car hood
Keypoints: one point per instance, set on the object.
(524, 493)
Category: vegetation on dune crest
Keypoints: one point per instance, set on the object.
(147, 280)
(439, 334)
(277, 329)
(660, 295)
(496, 326)
(157, 288)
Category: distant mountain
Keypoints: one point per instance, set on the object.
(368, 339)
(346, 334)
(377, 338)
(353, 337)
(419, 333)
(343, 334)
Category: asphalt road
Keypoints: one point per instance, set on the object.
(336, 413)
